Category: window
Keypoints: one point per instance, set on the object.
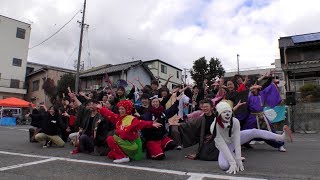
(178, 74)
(16, 62)
(35, 85)
(14, 83)
(163, 69)
(21, 33)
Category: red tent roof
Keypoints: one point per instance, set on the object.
(14, 102)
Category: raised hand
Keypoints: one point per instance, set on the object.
(156, 125)
(179, 97)
(82, 93)
(71, 95)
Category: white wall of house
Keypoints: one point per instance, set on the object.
(138, 72)
(13, 47)
(162, 71)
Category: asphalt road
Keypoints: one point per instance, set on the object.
(20, 159)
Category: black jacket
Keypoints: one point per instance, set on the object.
(50, 125)
(153, 134)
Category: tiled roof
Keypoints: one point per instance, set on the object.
(305, 62)
(109, 68)
(303, 65)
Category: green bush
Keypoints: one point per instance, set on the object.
(310, 89)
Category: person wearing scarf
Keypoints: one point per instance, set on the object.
(126, 143)
(157, 140)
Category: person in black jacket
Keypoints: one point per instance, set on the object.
(50, 125)
(157, 140)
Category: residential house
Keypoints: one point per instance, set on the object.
(130, 71)
(14, 43)
(36, 76)
(162, 70)
(300, 59)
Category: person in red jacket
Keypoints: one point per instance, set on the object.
(126, 142)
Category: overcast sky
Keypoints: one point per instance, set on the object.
(175, 31)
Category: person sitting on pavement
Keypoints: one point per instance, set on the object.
(91, 119)
(156, 139)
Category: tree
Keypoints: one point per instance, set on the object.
(203, 70)
(66, 80)
(214, 69)
(199, 70)
(49, 88)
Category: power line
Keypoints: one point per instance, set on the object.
(56, 31)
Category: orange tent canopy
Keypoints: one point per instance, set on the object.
(14, 102)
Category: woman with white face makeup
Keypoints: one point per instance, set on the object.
(229, 138)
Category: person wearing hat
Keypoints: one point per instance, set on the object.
(126, 143)
(228, 138)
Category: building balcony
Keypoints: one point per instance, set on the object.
(12, 86)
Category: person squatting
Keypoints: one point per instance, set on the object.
(109, 122)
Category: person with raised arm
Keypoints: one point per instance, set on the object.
(126, 143)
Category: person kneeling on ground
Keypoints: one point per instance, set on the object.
(50, 125)
(126, 142)
(228, 138)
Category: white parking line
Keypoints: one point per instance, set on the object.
(181, 173)
(26, 164)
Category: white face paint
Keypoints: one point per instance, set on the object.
(226, 115)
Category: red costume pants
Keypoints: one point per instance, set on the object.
(156, 148)
(115, 150)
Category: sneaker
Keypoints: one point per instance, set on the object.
(178, 147)
(287, 133)
(282, 149)
(252, 142)
(122, 160)
(76, 151)
(49, 143)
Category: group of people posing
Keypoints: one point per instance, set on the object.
(220, 119)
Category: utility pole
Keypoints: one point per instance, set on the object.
(238, 63)
(80, 48)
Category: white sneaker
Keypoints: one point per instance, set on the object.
(282, 149)
(287, 133)
(122, 160)
(252, 142)
(179, 147)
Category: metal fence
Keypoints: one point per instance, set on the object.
(305, 116)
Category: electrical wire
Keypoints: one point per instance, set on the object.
(56, 31)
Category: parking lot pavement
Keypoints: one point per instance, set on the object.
(23, 160)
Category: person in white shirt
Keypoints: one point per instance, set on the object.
(229, 138)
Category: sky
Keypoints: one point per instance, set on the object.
(175, 31)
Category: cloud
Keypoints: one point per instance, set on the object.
(177, 32)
